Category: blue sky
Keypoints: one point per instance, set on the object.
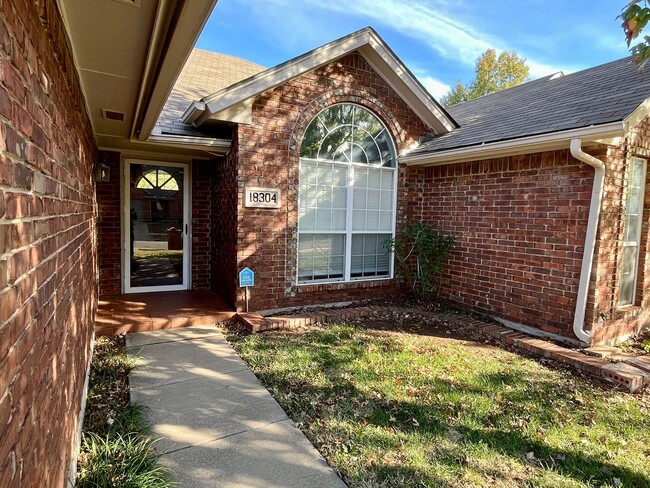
(439, 40)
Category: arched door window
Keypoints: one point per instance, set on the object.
(346, 197)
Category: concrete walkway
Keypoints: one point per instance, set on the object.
(218, 425)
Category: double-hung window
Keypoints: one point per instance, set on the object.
(633, 225)
(347, 197)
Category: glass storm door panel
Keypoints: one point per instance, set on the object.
(156, 217)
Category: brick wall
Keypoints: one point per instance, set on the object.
(201, 223)
(48, 288)
(109, 228)
(224, 224)
(269, 157)
(519, 223)
(610, 323)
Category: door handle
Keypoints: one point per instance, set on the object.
(186, 232)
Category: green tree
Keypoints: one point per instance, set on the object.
(492, 73)
(635, 18)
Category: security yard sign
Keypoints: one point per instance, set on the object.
(262, 197)
(246, 278)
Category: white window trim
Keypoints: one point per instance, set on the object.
(637, 243)
(347, 278)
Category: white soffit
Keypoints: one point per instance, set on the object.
(109, 43)
(128, 54)
(368, 43)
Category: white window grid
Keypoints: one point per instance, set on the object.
(632, 234)
(385, 176)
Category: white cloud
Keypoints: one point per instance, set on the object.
(436, 87)
(424, 21)
(448, 37)
(538, 70)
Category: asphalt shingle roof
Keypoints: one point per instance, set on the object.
(204, 73)
(600, 95)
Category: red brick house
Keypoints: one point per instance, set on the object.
(541, 184)
(122, 172)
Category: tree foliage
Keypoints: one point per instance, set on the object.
(635, 18)
(492, 73)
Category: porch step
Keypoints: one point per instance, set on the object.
(255, 322)
(144, 312)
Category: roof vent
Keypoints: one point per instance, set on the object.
(557, 75)
(113, 115)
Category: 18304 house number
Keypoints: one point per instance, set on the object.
(262, 197)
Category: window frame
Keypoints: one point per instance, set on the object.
(349, 232)
(637, 242)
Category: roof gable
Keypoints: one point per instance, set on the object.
(233, 100)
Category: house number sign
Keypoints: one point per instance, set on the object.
(262, 197)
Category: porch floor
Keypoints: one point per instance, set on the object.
(141, 312)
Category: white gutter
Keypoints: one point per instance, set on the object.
(590, 237)
(162, 22)
(201, 143)
(193, 112)
(535, 143)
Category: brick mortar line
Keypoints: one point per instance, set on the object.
(41, 240)
(44, 283)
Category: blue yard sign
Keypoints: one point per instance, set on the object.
(246, 277)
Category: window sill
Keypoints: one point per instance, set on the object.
(343, 283)
(628, 308)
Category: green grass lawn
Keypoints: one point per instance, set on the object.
(397, 409)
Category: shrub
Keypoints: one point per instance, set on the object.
(420, 253)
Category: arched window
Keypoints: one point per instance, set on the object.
(157, 179)
(346, 197)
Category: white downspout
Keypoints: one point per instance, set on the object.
(590, 237)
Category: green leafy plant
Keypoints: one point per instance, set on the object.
(121, 461)
(116, 450)
(635, 18)
(420, 253)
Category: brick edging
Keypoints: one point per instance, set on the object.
(632, 374)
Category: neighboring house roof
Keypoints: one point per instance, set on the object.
(234, 103)
(590, 98)
(204, 72)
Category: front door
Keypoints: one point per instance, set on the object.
(156, 234)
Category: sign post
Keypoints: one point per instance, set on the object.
(246, 279)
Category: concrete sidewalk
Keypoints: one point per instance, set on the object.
(218, 425)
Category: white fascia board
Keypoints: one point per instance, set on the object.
(179, 40)
(365, 42)
(276, 76)
(640, 113)
(523, 145)
(400, 79)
